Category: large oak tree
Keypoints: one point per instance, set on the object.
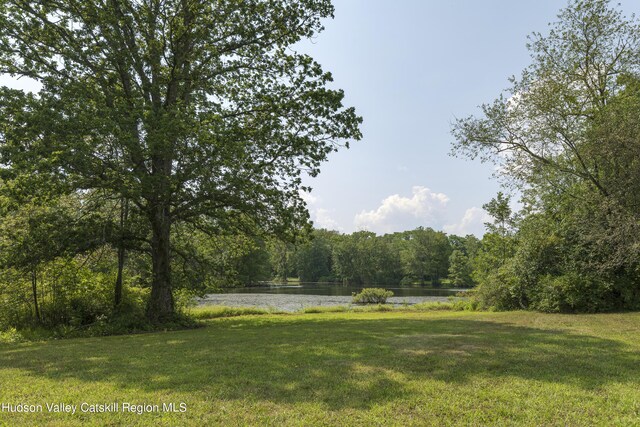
(195, 111)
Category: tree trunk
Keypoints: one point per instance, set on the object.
(124, 213)
(34, 288)
(160, 306)
(118, 288)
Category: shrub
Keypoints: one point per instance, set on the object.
(372, 296)
(500, 289)
(69, 294)
(11, 336)
(469, 304)
(572, 292)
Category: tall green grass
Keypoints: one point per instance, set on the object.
(216, 311)
(439, 367)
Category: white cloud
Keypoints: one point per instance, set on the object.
(321, 217)
(396, 213)
(471, 223)
(308, 198)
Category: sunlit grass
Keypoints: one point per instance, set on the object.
(346, 368)
(326, 309)
(216, 311)
(433, 306)
(204, 312)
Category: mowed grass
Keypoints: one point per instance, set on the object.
(355, 368)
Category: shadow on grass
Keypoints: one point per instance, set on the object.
(341, 363)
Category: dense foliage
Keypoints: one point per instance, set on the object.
(162, 158)
(420, 256)
(192, 115)
(567, 136)
(75, 289)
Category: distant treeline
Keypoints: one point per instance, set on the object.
(46, 281)
(420, 256)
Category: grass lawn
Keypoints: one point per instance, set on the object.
(377, 368)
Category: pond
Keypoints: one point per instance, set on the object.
(334, 289)
(296, 296)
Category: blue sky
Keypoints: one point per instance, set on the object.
(410, 67)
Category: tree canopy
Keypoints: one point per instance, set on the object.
(567, 135)
(196, 112)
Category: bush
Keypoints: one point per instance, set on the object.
(69, 294)
(572, 292)
(513, 287)
(372, 296)
(11, 336)
(500, 290)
